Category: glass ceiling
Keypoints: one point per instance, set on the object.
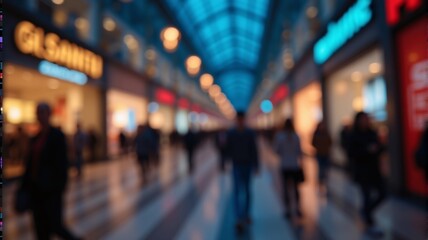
(227, 35)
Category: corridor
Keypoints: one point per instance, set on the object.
(112, 202)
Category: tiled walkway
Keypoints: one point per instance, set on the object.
(112, 202)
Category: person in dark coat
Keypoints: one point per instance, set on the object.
(221, 140)
(365, 149)
(144, 142)
(190, 141)
(79, 143)
(92, 143)
(421, 153)
(123, 143)
(345, 134)
(242, 150)
(322, 142)
(45, 177)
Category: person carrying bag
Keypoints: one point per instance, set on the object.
(287, 146)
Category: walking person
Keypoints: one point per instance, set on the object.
(221, 141)
(123, 143)
(242, 150)
(79, 143)
(144, 142)
(322, 142)
(287, 145)
(45, 178)
(92, 142)
(191, 141)
(365, 149)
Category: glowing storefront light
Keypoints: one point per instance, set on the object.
(53, 70)
(266, 106)
(338, 33)
(33, 40)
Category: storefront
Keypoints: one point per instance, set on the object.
(350, 61)
(162, 111)
(127, 104)
(357, 86)
(45, 67)
(407, 22)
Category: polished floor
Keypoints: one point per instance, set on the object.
(112, 201)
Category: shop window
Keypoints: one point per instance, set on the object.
(375, 98)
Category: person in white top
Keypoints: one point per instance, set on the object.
(287, 146)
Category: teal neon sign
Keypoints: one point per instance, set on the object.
(338, 33)
(56, 71)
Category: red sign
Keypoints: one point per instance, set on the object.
(183, 103)
(164, 96)
(393, 9)
(413, 62)
(280, 93)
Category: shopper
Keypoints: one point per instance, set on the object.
(45, 178)
(365, 149)
(322, 142)
(79, 143)
(191, 142)
(242, 150)
(287, 146)
(123, 143)
(144, 142)
(221, 141)
(345, 134)
(92, 142)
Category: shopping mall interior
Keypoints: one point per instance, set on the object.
(214, 119)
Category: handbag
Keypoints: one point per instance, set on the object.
(22, 201)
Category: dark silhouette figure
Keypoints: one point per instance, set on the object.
(221, 144)
(287, 146)
(144, 142)
(123, 143)
(45, 177)
(79, 143)
(92, 142)
(365, 149)
(345, 135)
(155, 148)
(242, 150)
(190, 141)
(322, 142)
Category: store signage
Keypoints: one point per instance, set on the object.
(33, 40)
(338, 33)
(394, 9)
(164, 96)
(54, 70)
(280, 93)
(413, 69)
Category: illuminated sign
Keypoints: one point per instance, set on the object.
(338, 33)
(393, 9)
(164, 96)
(32, 40)
(266, 106)
(53, 70)
(280, 93)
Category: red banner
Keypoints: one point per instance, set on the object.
(413, 62)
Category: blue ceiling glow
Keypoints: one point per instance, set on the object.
(227, 35)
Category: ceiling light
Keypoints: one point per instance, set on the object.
(356, 76)
(311, 12)
(109, 24)
(58, 2)
(206, 80)
(81, 23)
(170, 46)
(150, 54)
(214, 91)
(170, 34)
(374, 68)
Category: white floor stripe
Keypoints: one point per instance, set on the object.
(205, 221)
(147, 218)
(268, 221)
